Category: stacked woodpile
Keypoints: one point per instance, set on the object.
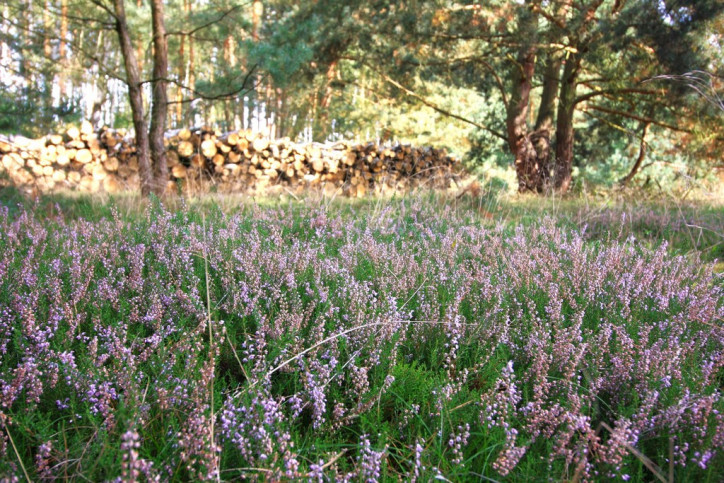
(236, 161)
(76, 159)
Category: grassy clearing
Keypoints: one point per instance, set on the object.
(362, 340)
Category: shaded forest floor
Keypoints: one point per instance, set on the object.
(431, 336)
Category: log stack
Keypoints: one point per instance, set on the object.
(235, 161)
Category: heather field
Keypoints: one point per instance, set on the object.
(415, 340)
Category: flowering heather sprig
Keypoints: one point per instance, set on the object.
(369, 461)
(417, 467)
(257, 431)
(198, 451)
(317, 398)
(316, 471)
(408, 414)
(499, 405)
(457, 441)
(129, 445)
(43, 460)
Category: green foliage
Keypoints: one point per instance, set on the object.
(27, 114)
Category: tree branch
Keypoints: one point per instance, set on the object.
(498, 81)
(209, 23)
(106, 8)
(427, 103)
(200, 95)
(606, 92)
(637, 118)
(639, 159)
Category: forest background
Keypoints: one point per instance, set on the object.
(572, 94)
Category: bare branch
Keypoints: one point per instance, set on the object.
(209, 23)
(607, 92)
(640, 158)
(217, 97)
(427, 103)
(631, 115)
(106, 8)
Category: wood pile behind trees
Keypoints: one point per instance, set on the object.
(236, 161)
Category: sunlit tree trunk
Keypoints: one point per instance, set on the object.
(46, 30)
(282, 115)
(48, 54)
(324, 122)
(545, 120)
(253, 105)
(160, 100)
(135, 96)
(190, 67)
(26, 33)
(530, 165)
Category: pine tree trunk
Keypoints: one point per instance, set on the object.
(160, 100)
(190, 68)
(135, 97)
(282, 116)
(529, 167)
(541, 137)
(46, 31)
(26, 31)
(564, 124)
(326, 99)
(257, 10)
(581, 39)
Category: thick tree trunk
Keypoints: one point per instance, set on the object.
(160, 100)
(581, 39)
(518, 139)
(545, 120)
(547, 109)
(135, 96)
(530, 166)
(327, 98)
